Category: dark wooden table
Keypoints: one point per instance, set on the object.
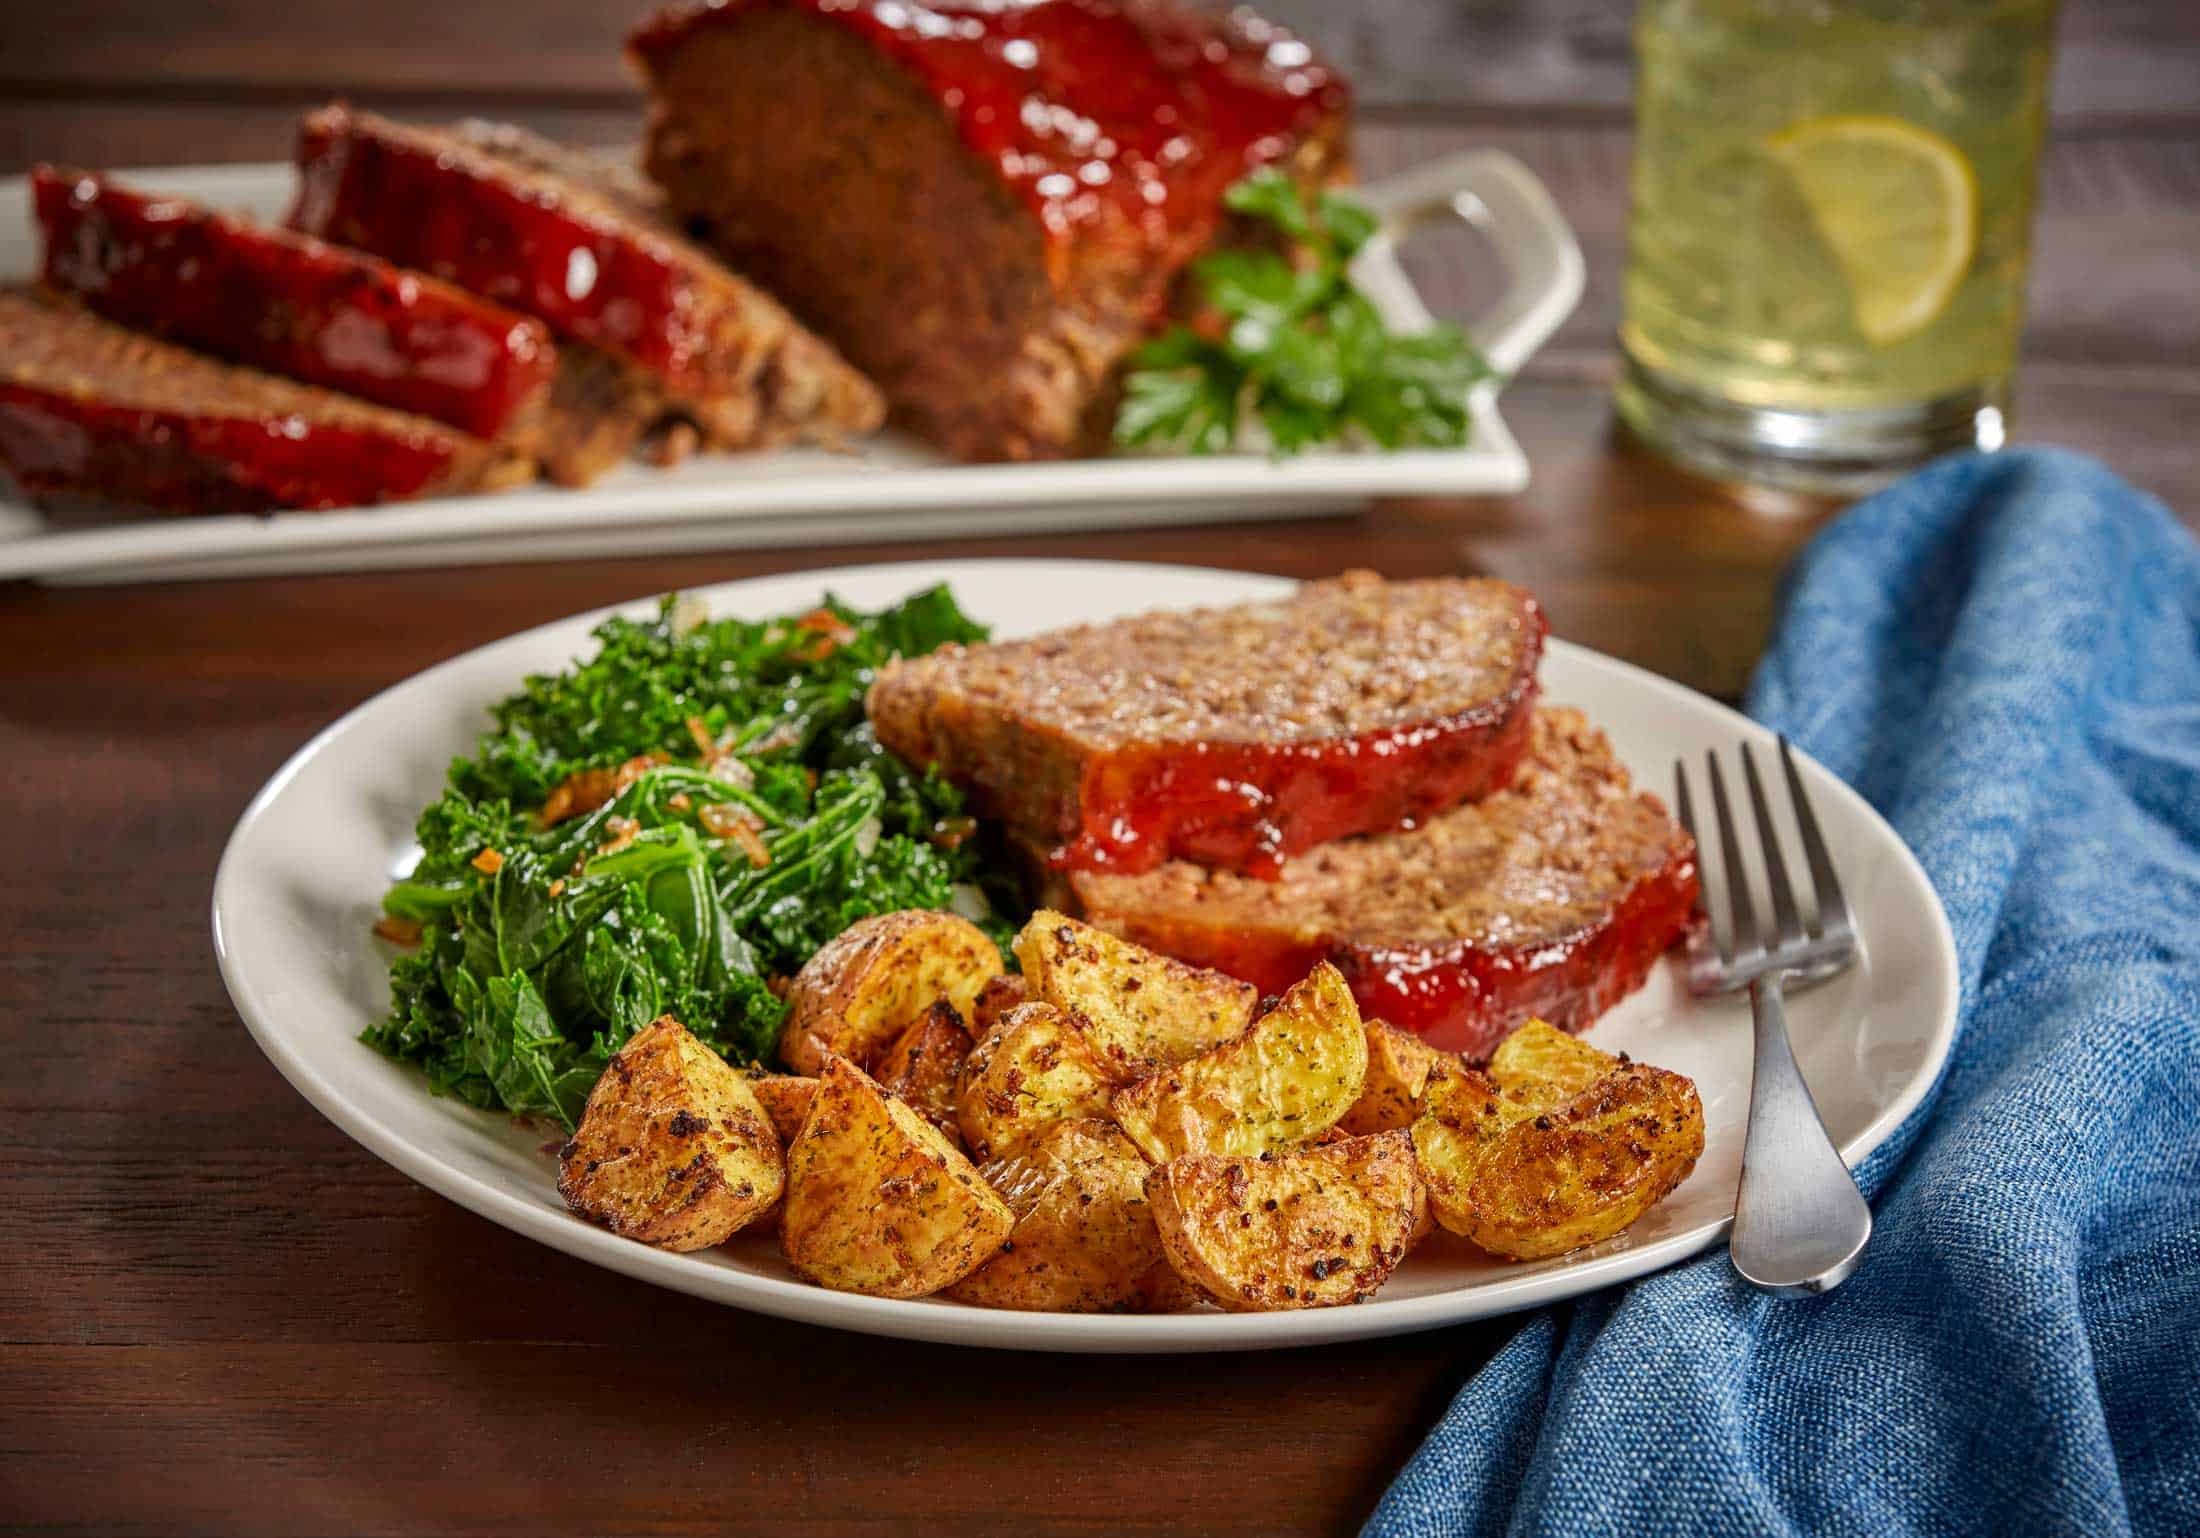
(218, 1314)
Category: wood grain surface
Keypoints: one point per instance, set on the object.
(219, 1315)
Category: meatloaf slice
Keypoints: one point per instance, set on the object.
(805, 389)
(983, 205)
(290, 304)
(1550, 899)
(1235, 737)
(495, 211)
(89, 408)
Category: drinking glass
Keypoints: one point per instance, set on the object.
(1831, 224)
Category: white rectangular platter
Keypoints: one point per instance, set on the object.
(889, 487)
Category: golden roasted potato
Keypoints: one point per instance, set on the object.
(924, 1065)
(1540, 1065)
(1398, 1066)
(1284, 1082)
(1537, 1167)
(786, 1100)
(871, 980)
(1084, 1240)
(1307, 1229)
(1147, 1010)
(674, 1148)
(878, 1200)
(995, 1000)
(1039, 1066)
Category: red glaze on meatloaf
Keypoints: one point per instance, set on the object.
(1234, 737)
(495, 211)
(1130, 115)
(1551, 899)
(289, 304)
(89, 408)
(983, 205)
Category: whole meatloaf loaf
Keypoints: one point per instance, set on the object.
(89, 408)
(1550, 899)
(1236, 737)
(497, 211)
(290, 304)
(983, 205)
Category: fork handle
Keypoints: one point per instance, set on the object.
(1800, 1224)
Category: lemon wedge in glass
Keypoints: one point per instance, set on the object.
(1898, 207)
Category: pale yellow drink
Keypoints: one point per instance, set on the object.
(1832, 213)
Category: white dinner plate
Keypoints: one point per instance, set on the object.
(300, 883)
(886, 487)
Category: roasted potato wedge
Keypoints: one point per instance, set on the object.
(1540, 1065)
(1147, 1011)
(786, 1100)
(1398, 1066)
(1538, 1167)
(1039, 1066)
(878, 1200)
(924, 1065)
(1280, 1084)
(674, 1148)
(1307, 1229)
(870, 981)
(1084, 1240)
(995, 1000)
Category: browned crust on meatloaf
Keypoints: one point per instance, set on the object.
(601, 407)
(753, 376)
(1527, 866)
(598, 409)
(73, 358)
(801, 389)
(833, 178)
(608, 174)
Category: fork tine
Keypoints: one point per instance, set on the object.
(1833, 908)
(1685, 805)
(1730, 855)
(1785, 923)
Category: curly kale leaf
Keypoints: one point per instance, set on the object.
(543, 948)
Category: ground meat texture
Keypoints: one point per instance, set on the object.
(600, 407)
(510, 216)
(1233, 737)
(1550, 899)
(89, 409)
(983, 207)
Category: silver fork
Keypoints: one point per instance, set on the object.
(1800, 1224)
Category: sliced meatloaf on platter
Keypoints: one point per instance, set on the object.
(289, 304)
(91, 409)
(649, 325)
(983, 206)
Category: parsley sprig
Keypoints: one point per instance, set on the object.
(1293, 347)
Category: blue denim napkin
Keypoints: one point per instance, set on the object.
(2003, 654)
